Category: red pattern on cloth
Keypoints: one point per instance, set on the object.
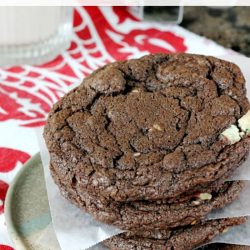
(3, 247)
(3, 190)
(9, 158)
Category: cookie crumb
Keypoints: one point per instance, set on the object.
(135, 90)
(157, 127)
(110, 113)
(193, 222)
(137, 154)
(95, 182)
(196, 202)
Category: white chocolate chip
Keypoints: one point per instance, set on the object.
(110, 113)
(157, 127)
(137, 154)
(205, 196)
(244, 122)
(225, 230)
(196, 203)
(232, 134)
(159, 235)
(135, 90)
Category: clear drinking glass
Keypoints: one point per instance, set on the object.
(35, 34)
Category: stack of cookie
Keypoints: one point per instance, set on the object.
(147, 145)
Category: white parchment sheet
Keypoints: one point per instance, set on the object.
(76, 230)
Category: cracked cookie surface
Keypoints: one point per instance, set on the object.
(148, 129)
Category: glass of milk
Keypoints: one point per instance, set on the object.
(35, 34)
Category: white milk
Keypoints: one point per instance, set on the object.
(25, 25)
(27, 33)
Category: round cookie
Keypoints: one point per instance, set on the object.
(182, 239)
(150, 128)
(235, 247)
(154, 215)
(220, 246)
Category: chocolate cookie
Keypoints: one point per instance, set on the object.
(235, 247)
(152, 215)
(178, 239)
(151, 128)
(220, 246)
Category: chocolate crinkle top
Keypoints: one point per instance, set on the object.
(148, 128)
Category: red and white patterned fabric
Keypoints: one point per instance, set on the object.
(101, 35)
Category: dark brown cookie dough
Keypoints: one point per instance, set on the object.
(182, 239)
(148, 129)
